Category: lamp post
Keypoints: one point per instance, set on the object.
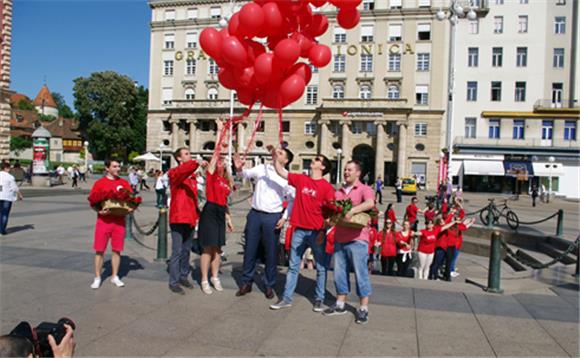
(161, 156)
(551, 159)
(338, 164)
(456, 12)
(86, 144)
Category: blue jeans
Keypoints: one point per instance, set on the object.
(300, 241)
(181, 240)
(454, 260)
(5, 207)
(353, 254)
(261, 228)
(438, 260)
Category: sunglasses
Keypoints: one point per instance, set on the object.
(389, 223)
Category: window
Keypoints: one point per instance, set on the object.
(522, 24)
(169, 15)
(192, 14)
(421, 94)
(499, 2)
(470, 127)
(212, 94)
(473, 27)
(547, 129)
(189, 94)
(286, 126)
(520, 92)
(215, 12)
(523, 1)
(560, 25)
(423, 62)
(494, 128)
(167, 95)
(557, 90)
(357, 127)
(424, 32)
(366, 33)
(496, 91)
(522, 56)
(498, 24)
(366, 63)
(395, 32)
(473, 57)
(519, 127)
(191, 40)
(365, 92)
(338, 92)
(190, 67)
(261, 127)
(339, 35)
(368, 4)
(212, 67)
(311, 94)
(497, 57)
(472, 91)
(168, 68)
(168, 41)
(207, 126)
(339, 63)
(560, 2)
(420, 129)
(313, 68)
(309, 128)
(558, 58)
(570, 130)
(424, 3)
(395, 4)
(393, 92)
(395, 62)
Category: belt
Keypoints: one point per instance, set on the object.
(265, 212)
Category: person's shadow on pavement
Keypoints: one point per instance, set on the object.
(127, 265)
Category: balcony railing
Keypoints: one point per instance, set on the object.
(509, 142)
(355, 103)
(550, 104)
(203, 103)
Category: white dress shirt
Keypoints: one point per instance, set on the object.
(270, 190)
(8, 187)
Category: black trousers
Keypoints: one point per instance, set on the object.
(379, 193)
(399, 195)
(402, 267)
(387, 265)
(450, 253)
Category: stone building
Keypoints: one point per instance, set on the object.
(5, 48)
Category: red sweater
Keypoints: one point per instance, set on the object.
(388, 243)
(183, 206)
(105, 185)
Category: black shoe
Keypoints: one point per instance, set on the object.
(362, 316)
(269, 293)
(317, 306)
(334, 311)
(177, 289)
(185, 283)
(246, 288)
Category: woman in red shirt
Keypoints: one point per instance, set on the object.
(214, 219)
(454, 241)
(388, 248)
(426, 249)
(404, 246)
(390, 214)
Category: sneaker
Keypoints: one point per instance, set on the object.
(317, 306)
(117, 282)
(334, 311)
(362, 316)
(280, 305)
(454, 274)
(177, 289)
(96, 283)
(185, 283)
(217, 284)
(205, 288)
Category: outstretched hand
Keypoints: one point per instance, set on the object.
(238, 162)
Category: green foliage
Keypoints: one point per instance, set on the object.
(46, 117)
(63, 109)
(18, 144)
(133, 155)
(112, 113)
(25, 105)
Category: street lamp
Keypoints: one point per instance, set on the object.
(86, 143)
(551, 159)
(161, 156)
(338, 164)
(456, 12)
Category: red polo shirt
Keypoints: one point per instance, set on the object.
(358, 194)
(311, 195)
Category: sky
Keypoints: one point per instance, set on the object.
(58, 41)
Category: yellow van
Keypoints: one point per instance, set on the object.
(409, 186)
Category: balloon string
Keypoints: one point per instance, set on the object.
(280, 130)
(256, 126)
(222, 136)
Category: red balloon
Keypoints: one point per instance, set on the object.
(318, 26)
(271, 98)
(261, 2)
(211, 42)
(302, 70)
(292, 89)
(263, 67)
(224, 33)
(227, 78)
(348, 18)
(244, 76)
(251, 19)
(234, 52)
(320, 55)
(273, 18)
(246, 96)
(304, 42)
(254, 49)
(305, 16)
(318, 3)
(274, 40)
(287, 52)
(234, 26)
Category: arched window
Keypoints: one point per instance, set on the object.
(209, 146)
(189, 94)
(212, 94)
(365, 92)
(338, 92)
(393, 92)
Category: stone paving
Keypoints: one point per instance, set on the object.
(46, 269)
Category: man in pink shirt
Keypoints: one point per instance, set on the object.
(351, 246)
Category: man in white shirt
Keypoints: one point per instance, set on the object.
(9, 192)
(266, 216)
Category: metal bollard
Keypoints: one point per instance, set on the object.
(129, 227)
(577, 274)
(489, 217)
(162, 235)
(493, 276)
(560, 224)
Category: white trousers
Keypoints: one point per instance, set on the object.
(425, 261)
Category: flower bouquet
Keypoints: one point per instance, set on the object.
(337, 210)
(118, 202)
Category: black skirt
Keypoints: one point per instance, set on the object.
(212, 225)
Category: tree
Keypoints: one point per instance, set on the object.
(63, 109)
(18, 144)
(25, 105)
(111, 113)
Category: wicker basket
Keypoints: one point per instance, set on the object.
(358, 221)
(116, 208)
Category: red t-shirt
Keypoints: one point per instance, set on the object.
(455, 235)
(444, 208)
(217, 189)
(428, 240)
(373, 237)
(412, 210)
(391, 216)
(311, 195)
(103, 185)
(401, 238)
(388, 243)
(429, 214)
(442, 240)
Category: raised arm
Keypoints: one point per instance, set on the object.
(279, 168)
(217, 152)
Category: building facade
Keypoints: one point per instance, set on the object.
(5, 48)
(516, 111)
(381, 100)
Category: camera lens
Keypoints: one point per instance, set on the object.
(68, 321)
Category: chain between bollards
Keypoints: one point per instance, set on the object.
(129, 227)
(493, 276)
(489, 216)
(162, 235)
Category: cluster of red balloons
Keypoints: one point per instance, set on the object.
(268, 71)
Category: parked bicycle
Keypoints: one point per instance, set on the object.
(496, 213)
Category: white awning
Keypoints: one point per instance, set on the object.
(543, 169)
(455, 167)
(483, 167)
